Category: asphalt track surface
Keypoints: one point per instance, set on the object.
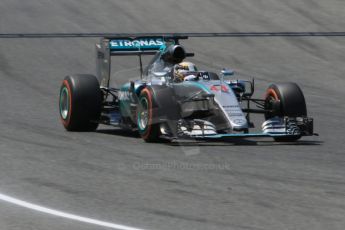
(114, 176)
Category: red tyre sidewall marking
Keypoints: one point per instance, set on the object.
(67, 121)
(272, 92)
(148, 131)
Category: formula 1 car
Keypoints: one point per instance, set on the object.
(206, 106)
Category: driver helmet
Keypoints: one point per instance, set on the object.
(184, 69)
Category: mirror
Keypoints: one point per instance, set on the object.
(227, 72)
(160, 74)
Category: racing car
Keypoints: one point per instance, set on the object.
(172, 99)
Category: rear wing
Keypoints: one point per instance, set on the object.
(128, 46)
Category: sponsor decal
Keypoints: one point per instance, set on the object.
(239, 121)
(231, 106)
(236, 114)
(222, 88)
(233, 110)
(136, 44)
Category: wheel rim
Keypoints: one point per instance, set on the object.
(271, 99)
(143, 114)
(64, 103)
(269, 106)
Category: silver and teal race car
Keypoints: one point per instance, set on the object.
(204, 105)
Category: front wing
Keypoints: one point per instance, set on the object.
(274, 127)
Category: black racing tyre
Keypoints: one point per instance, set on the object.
(80, 102)
(285, 99)
(148, 129)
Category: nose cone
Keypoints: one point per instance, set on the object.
(228, 102)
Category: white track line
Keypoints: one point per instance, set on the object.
(53, 212)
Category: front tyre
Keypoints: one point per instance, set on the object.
(285, 99)
(148, 128)
(80, 102)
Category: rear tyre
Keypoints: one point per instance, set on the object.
(285, 99)
(148, 128)
(80, 102)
